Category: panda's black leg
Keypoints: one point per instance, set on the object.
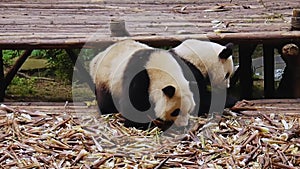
(204, 96)
(205, 102)
(230, 101)
(105, 101)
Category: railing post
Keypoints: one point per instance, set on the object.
(290, 82)
(2, 82)
(269, 86)
(245, 59)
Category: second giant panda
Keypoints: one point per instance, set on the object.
(211, 64)
(142, 83)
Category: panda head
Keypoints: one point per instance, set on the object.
(168, 89)
(212, 59)
(173, 106)
(225, 57)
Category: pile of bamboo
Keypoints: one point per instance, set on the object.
(39, 139)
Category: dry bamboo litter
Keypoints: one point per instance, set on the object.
(40, 139)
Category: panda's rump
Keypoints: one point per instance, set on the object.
(112, 62)
(107, 71)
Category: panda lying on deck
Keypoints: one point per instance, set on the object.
(211, 64)
(142, 83)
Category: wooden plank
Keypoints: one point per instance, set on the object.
(55, 104)
(143, 17)
(288, 107)
(45, 40)
(281, 107)
(266, 112)
(276, 101)
(54, 107)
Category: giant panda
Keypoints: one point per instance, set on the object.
(142, 83)
(211, 64)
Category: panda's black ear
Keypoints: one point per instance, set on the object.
(227, 51)
(169, 91)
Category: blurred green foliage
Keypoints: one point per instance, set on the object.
(58, 62)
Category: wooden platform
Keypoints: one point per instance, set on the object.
(66, 24)
(289, 107)
(69, 24)
(54, 107)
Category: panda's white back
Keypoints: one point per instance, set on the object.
(200, 53)
(204, 55)
(108, 66)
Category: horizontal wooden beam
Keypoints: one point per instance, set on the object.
(46, 41)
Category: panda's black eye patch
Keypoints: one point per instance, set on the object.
(175, 113)
(227, 75)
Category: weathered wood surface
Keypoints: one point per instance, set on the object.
(54, 107)
(288, 107)
(277, 106)
(65, 23)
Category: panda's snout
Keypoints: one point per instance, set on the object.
(182, 121)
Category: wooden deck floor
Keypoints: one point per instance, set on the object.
(65, 23)
(289, 107)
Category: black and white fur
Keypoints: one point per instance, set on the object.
(211, 64)
(142, 83)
